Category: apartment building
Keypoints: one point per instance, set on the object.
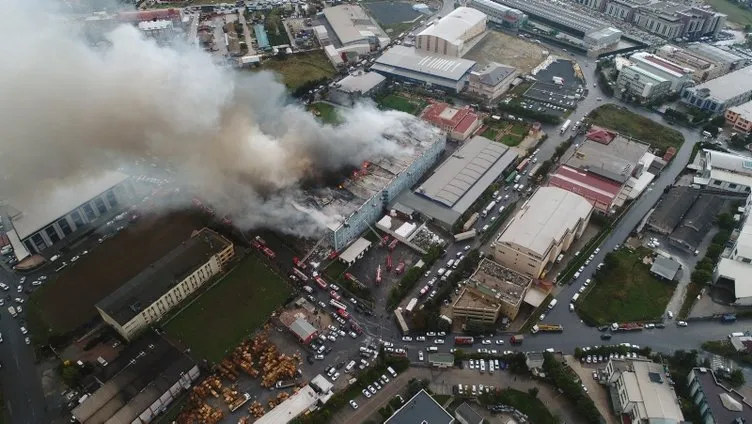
(642, 85)
(740, 117)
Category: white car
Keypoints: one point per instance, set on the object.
(36, 283)
(466, 248)
(431, 334)
(353, 404)
(587, 282)
(19, 288)
(439, 341)
(19, 309)
(371, 389)
(75, 258)
(42, 278)
(24, 330)
(27, 340)
(366, 393)
(499, 342)
(335, 376)
(19, 300)
(420, 339)
(420, 355)
(681, 323)
(407, 339)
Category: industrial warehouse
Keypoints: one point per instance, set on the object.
(360, 200)
(545, 226)
(68, 213)
(408, 64)
(458, 183)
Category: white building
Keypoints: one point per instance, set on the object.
(412, 65)
(641, 390)
(723, 171)
(641, 84)
(151, 294)
(353, 27)
(721, 93)
(63, 214)
(706, 61)
(680, 77)
(735, 267)
(454, 34)
(545, 226)
(499, 14)
(348, 90)
(491, 81)
(309, 398)
(602, 38)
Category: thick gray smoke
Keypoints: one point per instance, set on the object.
(69, 112)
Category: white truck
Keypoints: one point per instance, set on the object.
(12, 311)
(565, 126)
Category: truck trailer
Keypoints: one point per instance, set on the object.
(465, 235)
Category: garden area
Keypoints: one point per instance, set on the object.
(624, 290)
(402, 103)
(527, 403)
(736, 12)
(233, 309)
(508, 133)
(630, 124)
(326, 112)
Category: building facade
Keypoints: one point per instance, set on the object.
(723, 171)
(491, 81)
(642, 85)
(454, 34)
(677, 75)
(641, 391)
(149, 296)
(740, 117)
(499, 14)
(721, 93)
(545, 226)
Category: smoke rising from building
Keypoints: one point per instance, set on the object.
(69, 111)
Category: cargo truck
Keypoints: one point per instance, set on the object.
(411, 305)
(565, 126)
(466, 235)
(547, 328)
(12, 311)
(464, 341)
(517, 339)
(469, 223)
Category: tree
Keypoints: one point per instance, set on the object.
(725, 221)
(533, 391)
(714, 251)
(736, 378)
(701, 276)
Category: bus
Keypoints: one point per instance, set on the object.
(338, 305)
(535, 170)
(521, 167)
(401, 321)
(510, 177)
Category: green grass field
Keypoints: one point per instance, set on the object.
(636, 126)
(524, 402)
(736, 13)
(625, 290)
(511, 140)
(326, 112)
(297, 70)
(230, 311)
(490, 133)
(397, 102)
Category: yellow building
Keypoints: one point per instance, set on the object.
(151, 294)
(740, 117)
(545, 226)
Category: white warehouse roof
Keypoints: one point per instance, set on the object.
(728, 86)
(453, 26)
(37, 211)
(544, 219)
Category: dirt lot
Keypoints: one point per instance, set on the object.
(68, 302)
(508, 50)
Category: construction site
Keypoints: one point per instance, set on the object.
(492, 291)
(506, 49)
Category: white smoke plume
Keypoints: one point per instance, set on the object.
(69, 111)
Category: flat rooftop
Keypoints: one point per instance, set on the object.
(43, 207)
(372, 177)
(658, 396)
(492, 283)
(362, 83)
(567, 17)
(138, 366)
(725, 405)
(152, 283)
(421, 408)
(728, 86)
(453, 26)
(615, 160)
(587, 185)
(410, 59)
(744, 109)
(461, 179)
(544, 219)
(713, 53)
(352, 24)
(659, 63)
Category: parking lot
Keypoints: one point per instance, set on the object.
(556, 97)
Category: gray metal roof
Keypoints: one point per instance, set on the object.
(672, 208)
(493, 73)
(422, 407)
(664, 267)
(698, 220)
(715, 395)
(468, 414)
(302, 328)
(713, 53)
(728, 86)
(363, 83)
(351, 23)
(462, 170)
(615, 161)
(410, 59)
(351, 253)
(559, 14)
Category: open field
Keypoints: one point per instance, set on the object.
(525, 403)
(401, 103)
(625, 290)
(230, 311)
(297, 70)
(326, 112)
(630, 124)
(736, 14)
(510, 134)
(507, 50)
(68, 302)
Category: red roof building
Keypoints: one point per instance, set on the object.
(601, 135)
(174, 15)
(460, 123)
(602, 193)
(670, 152)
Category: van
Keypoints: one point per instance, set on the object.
(450, 263)
(445, 276)
(441, 271)
(575, 297)
(552, 304)
(737, 334)
(432, 349)
(391, 371)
